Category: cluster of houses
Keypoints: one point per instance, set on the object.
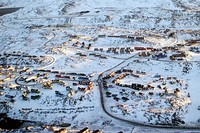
(172, 81)
(20, 58)
(27, 91)
(180, 56)
(122, 107)
(144, 48)
(87, 130)
(195, 49)
(116, 97)
(31, 78)
(117, 80)
(136, 86)
(124, 73)
(7, 69)
(70, 77)
(157, 53)
(81, 78)
(58, 72)
(144, 54)
(16, 53)
(192, 42)
(64, 75)
(122, 50)
(173, 97)
(138, 38)
(48, 84)
(82, 45)
(84, 89)
(98, 55)
(116, 50)
(19, 54)
(159, 56)
(148, 51)
(81, 54)
(112, 74)
(8, 72)
(172, 48)
(92, 54)
(71, 91)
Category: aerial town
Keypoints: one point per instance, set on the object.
(100, 66)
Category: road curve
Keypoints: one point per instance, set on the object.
(99, 81)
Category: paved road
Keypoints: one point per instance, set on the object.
(135, 123)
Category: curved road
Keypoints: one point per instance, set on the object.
(99, 80)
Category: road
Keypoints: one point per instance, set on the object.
(99, 81)
(135, 123)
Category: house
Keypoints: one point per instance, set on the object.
(32, 78)
(157, 76)
(35, 91)
(58, 93)
(66, 77)
(97, 55)
(160, 55)
(116, 52)
(92, 54)
(83, 78)
(74, 84)
(96, 49)
(47, 70)
(78, 53)
(6, 79)
(90, 86)
(108, 93)
(125, 99)
(139, 38)
(101, 49)
(101, 36)
(81, 74)
(47, 85)
(83, 45)
(9, 96)
(73, 74)
(85, 82)
(108, 51)
(35, 97)
(151, 93)
(58, 76)
(140, 48)
(83, 55)
(82, 89)
(97, 131)
(85, 130)
(55, 71)
(103, 57)
(25, 96)
(144, 54)
(135, 75)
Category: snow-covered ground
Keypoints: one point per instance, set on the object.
(95, 38)
(170, 76)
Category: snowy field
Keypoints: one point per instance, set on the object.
(109, 65)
